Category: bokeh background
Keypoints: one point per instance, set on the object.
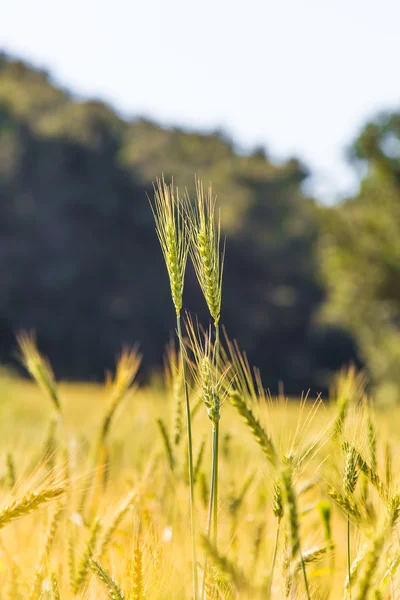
(290, 108)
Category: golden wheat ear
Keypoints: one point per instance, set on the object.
(126, 371)
(28, 503)
(38, 367)
(116, 519)
(136, 575)
(258, 432)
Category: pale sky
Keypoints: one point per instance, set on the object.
(299, 77)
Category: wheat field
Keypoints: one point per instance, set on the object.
(199, 485)
(128, 507)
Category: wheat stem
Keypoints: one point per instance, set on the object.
(271, 577)
(190, 456)
(215, 445)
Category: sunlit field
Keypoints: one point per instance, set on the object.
(201, 485)
(127, 505)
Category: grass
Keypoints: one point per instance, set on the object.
(105, 494)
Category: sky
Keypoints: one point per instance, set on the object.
(299, 77)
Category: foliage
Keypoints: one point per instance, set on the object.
(80, 263)
(361, 257)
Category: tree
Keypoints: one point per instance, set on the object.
(80, 262)
(361, 256)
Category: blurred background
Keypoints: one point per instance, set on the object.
(291, 109)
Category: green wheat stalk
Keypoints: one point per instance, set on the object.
(208, 262)
(173, 236)
(89, 550)
(349, 483)
(294, 527)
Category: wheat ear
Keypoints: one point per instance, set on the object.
(137, 574)
(38, 368)
(55, 592)
(256, 429)
(119, 514)
(205, 252)
(173, 236)
(126, 371)
(28, 503)
(113, 591)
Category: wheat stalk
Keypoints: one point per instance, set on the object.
(10, 470)
(294, 528)
(174, 381)
(49, 539)
(89, 551)
(167, 444)
(349, 483)
(277, 509)
(173, 236)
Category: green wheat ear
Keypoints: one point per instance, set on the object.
(111, 586)
(212, 384)
(208, 260)
(173, 236)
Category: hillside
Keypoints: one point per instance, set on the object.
(80, 262)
